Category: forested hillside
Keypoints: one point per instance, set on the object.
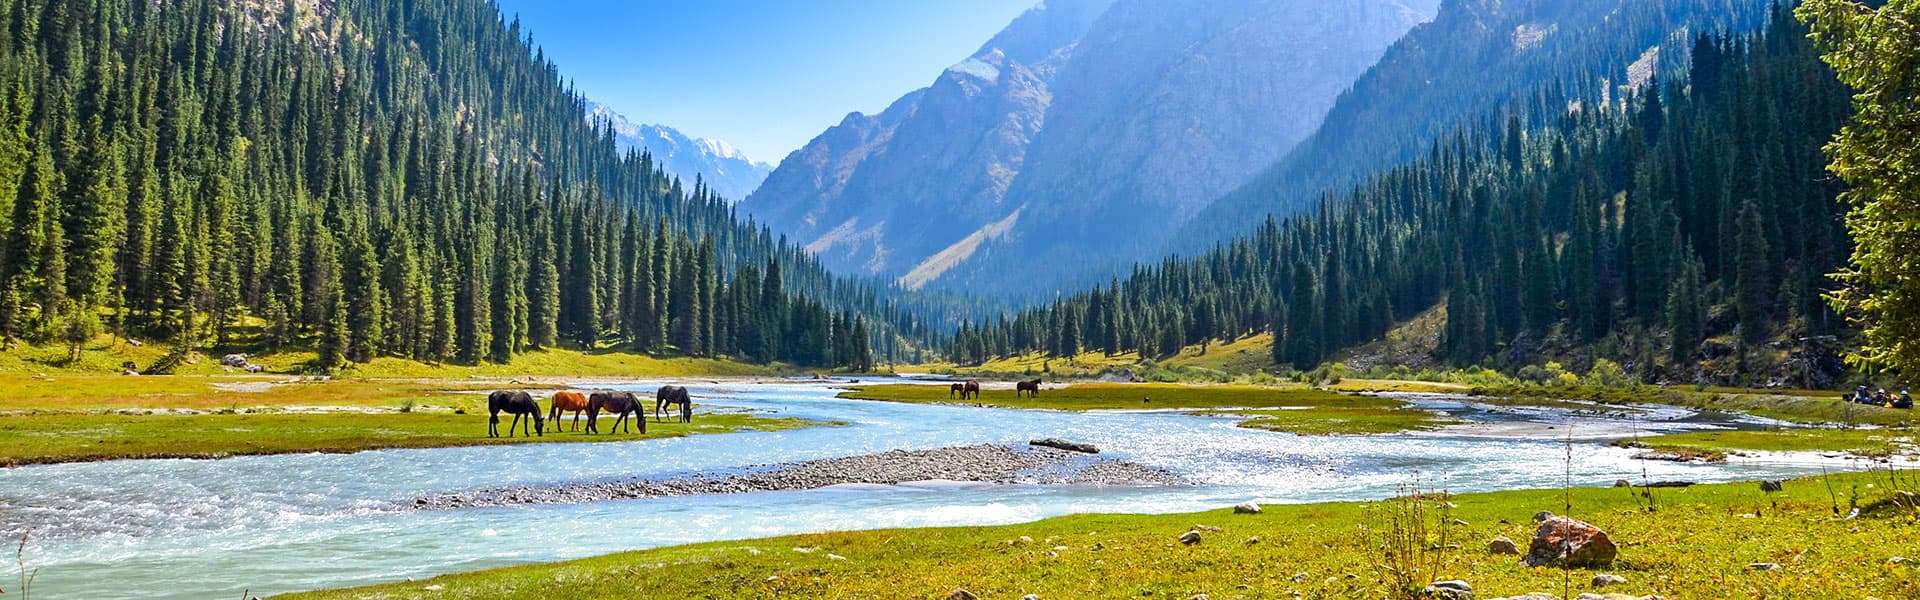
(1692, 216)
(1473, 58)
(408, 179)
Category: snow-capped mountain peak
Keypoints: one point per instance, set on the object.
(730, 172)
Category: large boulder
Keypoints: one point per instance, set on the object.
(233, 360)
(1562, 541)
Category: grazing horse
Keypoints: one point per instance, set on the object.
(568, 401)
(956, 388)
(621, 403)
(1027, 387)
(515, 403)
(971, 389)
(670, 395)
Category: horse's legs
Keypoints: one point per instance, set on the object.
(493, 425)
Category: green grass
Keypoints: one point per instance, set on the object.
(1695, 543)
(1311, 411)
(1096, 396)
(52, 438)
(1708, 444)
(1348, 421)
(105, 355)
(1816, 408)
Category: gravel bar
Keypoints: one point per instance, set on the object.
(984, 463)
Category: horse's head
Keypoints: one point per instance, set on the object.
(539, 424)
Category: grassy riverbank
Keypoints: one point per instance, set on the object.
(1716, 445)
(1689, 543)
(57, 438)
(1299, 409)
(71, 418)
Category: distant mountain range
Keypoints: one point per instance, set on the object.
(724, 168)
(1084, 129)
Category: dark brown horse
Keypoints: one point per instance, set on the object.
(515, 403)
(621, 403)
(956, 389)
(670, 395)
(567, 402)
(1027, 387)
(971, 390)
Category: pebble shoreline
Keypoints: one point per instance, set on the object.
(984, 463)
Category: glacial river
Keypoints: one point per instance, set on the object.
(268, 524)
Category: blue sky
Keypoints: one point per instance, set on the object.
(764, 75)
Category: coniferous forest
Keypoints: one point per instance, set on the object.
(407, 179)
(1688, 222)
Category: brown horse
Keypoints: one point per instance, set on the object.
(956, 389)
(515, 403)
(670, 395)
(1027, 387)
(568, 401)
(621, 403)
(972, 389)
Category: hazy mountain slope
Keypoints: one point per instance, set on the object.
(1164, 107)
(1475, 55)
(877, 194)
(726, 169)
(1080, 132)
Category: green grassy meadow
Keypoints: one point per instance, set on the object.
(1679, 543)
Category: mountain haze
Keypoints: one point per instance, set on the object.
(727, 170)
(1077, 133)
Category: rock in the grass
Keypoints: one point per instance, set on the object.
(1502, 545)
(1246, 508)
(962, 594)
(1531, 596)
(1607, 579)
(1542, 516)
(1569, 542)
(1771, 485)
(1198, 597)
(1030, 597)
(1066, 445)
(233, 360)
(1622, 483)
(1760, 566)
(1190, 538)
(1450, 590)
(1898, 560)
(1301, 576)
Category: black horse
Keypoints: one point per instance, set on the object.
(621, 403)
(670, 395)
(518, 404)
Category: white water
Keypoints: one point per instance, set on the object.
(213, 528)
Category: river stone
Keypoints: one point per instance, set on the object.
(1066, 445)
(1301, 576)
(1198, 597)
(962, 594)
(1542, 516)
(1771, 485)
(1763, 566)
(1030, 597)
(1246, 508)
(1450, 590)
(1502, 545)
(1190, 537)
(1570, 542)
(1607, 579)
